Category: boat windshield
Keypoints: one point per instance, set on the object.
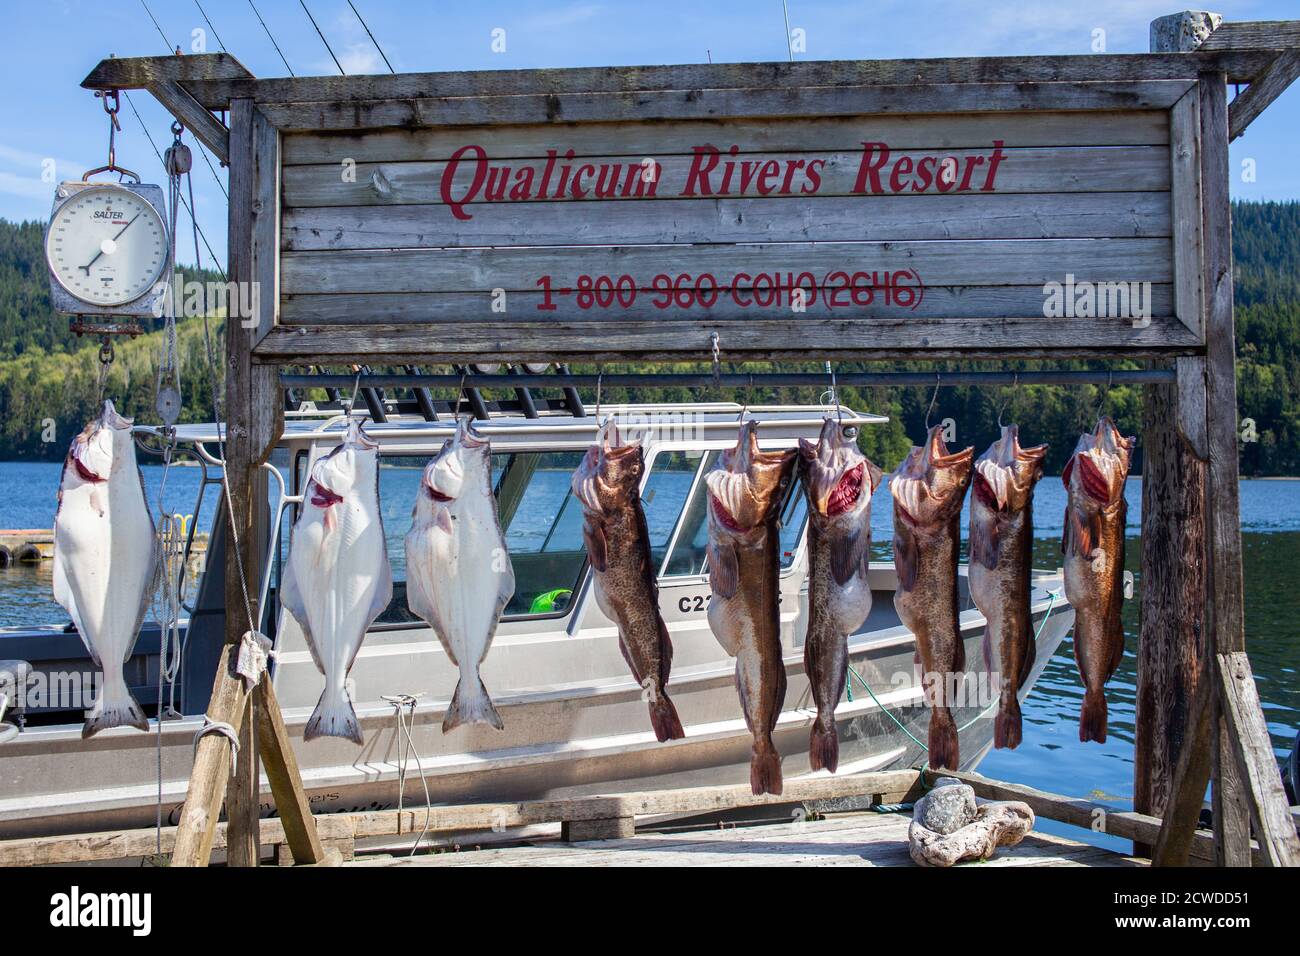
(687, 555)
(542, 522)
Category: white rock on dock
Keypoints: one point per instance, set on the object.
(981, 831)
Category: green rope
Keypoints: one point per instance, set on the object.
(980, 716)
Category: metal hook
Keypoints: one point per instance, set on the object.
(749, 393)
(600, 378)
(835, 395)
(460, 393)
(933, 398)
(716, 345)
(1105, 394)
(114, 126)
(1006, 399)
(352, 402)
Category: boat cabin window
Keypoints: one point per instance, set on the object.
(688, 551)
(541, 521)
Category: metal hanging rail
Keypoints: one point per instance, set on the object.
(736, 380)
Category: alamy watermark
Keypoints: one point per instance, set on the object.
(1080, 299)
(236, 300)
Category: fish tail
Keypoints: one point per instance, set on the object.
(334, 717)
(943, 740)
(1007, 726)
(664, 719)
(823, 746)
(1092, 717)
(765, 769)
(472, 708)
(120, 710)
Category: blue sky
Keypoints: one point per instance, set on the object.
(51, 45)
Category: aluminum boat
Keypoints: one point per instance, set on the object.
(575, 721)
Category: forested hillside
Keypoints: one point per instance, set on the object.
(47, 374)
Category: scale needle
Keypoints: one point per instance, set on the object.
(86, 267)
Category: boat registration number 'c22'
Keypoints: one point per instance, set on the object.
(699, 602)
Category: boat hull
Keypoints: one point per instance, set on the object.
(565, 739)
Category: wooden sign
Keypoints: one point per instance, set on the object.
(801, 210)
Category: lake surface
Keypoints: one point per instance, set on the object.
(1050, 756)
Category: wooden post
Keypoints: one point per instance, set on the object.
(254, 421)
(1244, 731)
(1171, 653)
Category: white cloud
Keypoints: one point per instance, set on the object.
(361, 59)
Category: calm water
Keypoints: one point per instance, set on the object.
(1050, 756)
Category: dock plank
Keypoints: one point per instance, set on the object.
(853, 839)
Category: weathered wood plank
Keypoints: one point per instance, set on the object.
(137, 72)
(1185, 182)
(891, 785)
(1034, 170)
(1228, 796)
(638, 140)
(756, 338)
(1252, 35)
(726, 104)
(1249, 745)
(940, 303)
(885, 218)
(300, 831)
(979, 262)
(264, 209)
(217, 92)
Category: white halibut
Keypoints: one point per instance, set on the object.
(458, 573)
(337, 579)
(105, 559)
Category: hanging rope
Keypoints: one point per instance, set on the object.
(404, 705)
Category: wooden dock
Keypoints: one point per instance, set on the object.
(842, 839)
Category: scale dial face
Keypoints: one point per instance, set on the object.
(106, 245)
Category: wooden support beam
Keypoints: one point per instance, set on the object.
(1171, 656)
(138, 72)
(1228, 799)
(1252, 35)
(285, 778)
(243, 846)
(193, 116)
(1263, 90)
(1247, 737)
(1224, 616)
(254, 421)
(210, 776)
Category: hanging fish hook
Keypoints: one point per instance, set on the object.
(352, 402)
(600, 379)
(1006, 399)
(933, 398)
(749, 393)
(1105, 394)
(460, 393)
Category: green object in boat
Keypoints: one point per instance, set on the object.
(546, 603)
